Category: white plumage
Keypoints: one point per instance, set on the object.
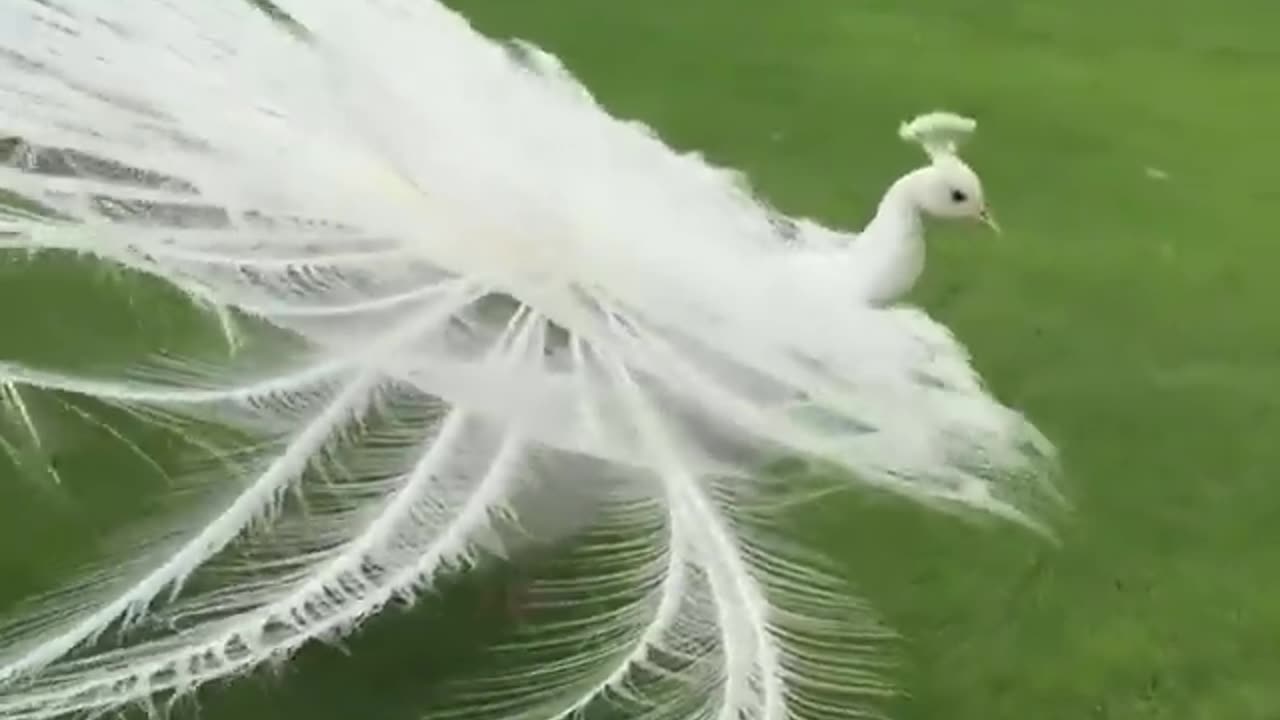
(492, 293)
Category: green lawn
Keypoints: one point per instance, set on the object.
(1131, 316)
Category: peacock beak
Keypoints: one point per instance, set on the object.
(989, 220)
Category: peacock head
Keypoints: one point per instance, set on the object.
(946, 188)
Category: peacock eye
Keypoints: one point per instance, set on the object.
(958, 196)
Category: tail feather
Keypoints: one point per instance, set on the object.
(464, 302)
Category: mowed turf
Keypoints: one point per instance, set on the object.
(1130, 309)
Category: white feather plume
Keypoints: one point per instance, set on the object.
(939, 133)
(455, 287)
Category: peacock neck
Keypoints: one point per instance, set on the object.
(898, 218)
(891, 249)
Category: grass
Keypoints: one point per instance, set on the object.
(1130, 316)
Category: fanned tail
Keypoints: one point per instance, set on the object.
(456, 300)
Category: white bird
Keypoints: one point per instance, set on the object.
(460, 293)
(882, 263)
